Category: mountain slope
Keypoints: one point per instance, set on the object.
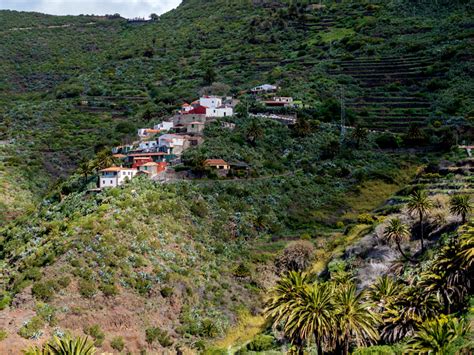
(74, 81)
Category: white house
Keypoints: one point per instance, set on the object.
(264, 88)
(171, 143)
(210, 101)
(115, 176)
(147, 145)
(164, 126)
(221, 111)
(286, 100)
(147, 132)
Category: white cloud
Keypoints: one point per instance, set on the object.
(127, 8)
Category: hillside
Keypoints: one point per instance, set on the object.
(397, 67)
(189, 264)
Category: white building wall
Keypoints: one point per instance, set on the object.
(148, 145)
(220, 112)
(210, 101)
(164, 126)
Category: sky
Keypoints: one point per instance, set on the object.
(126, 8)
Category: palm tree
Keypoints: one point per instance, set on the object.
(85, 169)
(412, 306)
(420, 203)
(437, 336)
(397, 232)
(384, 291)
(312, 316)
(64, 346)
(254, 132)
(460, 205)
(104, 159)
(354, 318)
(450, 273)
(359, 134)
(285, 296)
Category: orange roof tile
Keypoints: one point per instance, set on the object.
(214, 162)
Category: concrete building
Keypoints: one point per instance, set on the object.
(115, 176)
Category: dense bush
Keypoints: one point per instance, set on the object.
(117, 343)
(156, 334)
(96, 333)
(297, 256)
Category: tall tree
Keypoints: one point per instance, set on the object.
(285, 297)
(397, 232)
(460, 205)
(313, 315)
(354, 318)
(420, 203)
(254, 132)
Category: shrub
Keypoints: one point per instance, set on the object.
(208, 329)
(32, 328)
(44, 291)
(156, 334)
(166, 291)
(3, 334)
(32, 274)
(365, 218)
(296, 256)
(46, 312)
(109, 290)
(242, 270)
(64, 281)
(117, 343)
(87, 288)
(95, 332)
(305, 236)
(5, 300)
(262, 343)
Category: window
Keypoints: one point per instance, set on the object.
(103, 182)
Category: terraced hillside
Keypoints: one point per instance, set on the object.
(97, 74)
(392, 91)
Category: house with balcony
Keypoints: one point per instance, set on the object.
(115, 176)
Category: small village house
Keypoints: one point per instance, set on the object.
(210, 101)
(265, 88)
(122, 149)
(147, 132)
(139, 161)
(221, 111)
(152, 169)
(171, 143)
(279, 101)
(148, 145)
(195, 128)
(219, 166)
(155, 156)
(164, 126)
(115, 176)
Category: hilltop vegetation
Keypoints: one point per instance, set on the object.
(67, 89)
(151, 266)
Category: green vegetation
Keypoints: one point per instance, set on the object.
(190, 262)
(117, 343)
(96, 333)
(65, 346)
(71, 85)
(332, 315)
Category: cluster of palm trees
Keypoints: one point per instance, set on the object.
(420, 204)
(423, 307)
(328, 313)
